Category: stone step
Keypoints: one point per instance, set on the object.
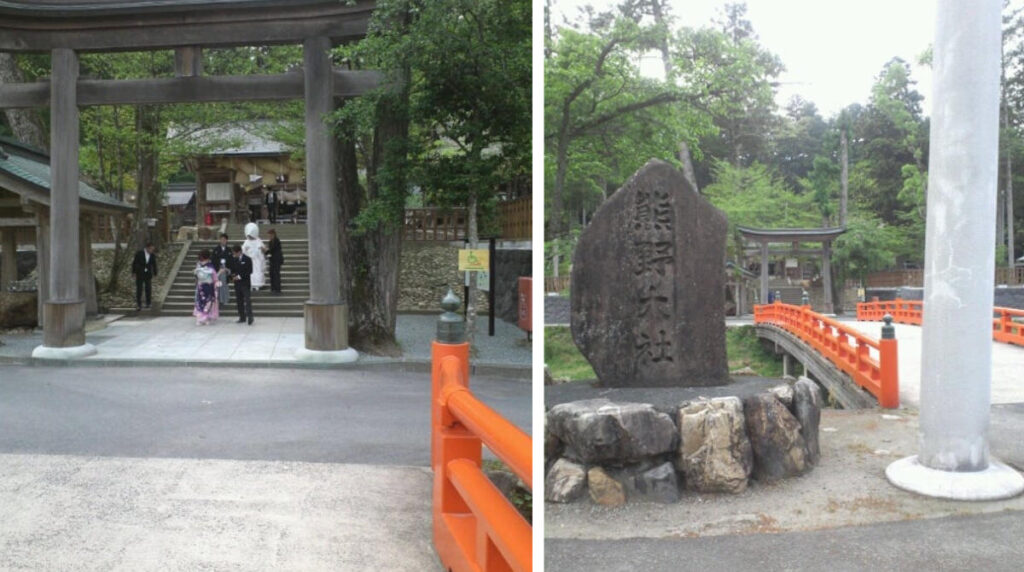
(229, 314)
(283, 299)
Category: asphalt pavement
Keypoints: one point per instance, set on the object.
(982, 542)
(331, 416)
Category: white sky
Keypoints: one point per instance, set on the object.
(832, 50)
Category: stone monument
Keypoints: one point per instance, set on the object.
(648, 285)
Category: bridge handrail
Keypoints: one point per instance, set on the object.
(1004, 328)
(475, 526)
(902, 311)
(832, 339)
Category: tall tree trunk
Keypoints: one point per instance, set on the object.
(1011, 260)
(554, 218)
(147, 125)
(844, 176)
(683, 154)
(473, 236)
(376, 252)
(26, 124)
(350, 201)
(120, 255)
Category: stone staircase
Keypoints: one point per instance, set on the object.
(294, 277)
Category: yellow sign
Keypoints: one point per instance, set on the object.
(474, 260)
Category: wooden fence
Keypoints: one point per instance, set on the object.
(435, 224)
(427, 224)
(516, 218)
(915, 278)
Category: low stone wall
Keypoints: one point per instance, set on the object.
(427, 270)
(18, 309)
(619, 452)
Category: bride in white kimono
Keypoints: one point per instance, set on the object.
(254, 249)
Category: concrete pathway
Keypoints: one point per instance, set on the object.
(185, 468)
(106, 513)
(1007, 364)
(269, 341)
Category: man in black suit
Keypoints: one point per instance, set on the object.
(241, 274)
(221, 255)
(276, 260)
(272, 202)
(144, 270)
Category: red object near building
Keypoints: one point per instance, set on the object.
(208, 219)
(526, 304)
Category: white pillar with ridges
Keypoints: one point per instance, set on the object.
(956, 351)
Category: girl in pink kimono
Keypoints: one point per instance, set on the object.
(207, 310)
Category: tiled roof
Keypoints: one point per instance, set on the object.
(31, 170)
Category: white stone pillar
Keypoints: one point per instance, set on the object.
(326, 316)
(64, 309)
(956, 363)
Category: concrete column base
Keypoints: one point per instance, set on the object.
(64, 324)
(347, 355)
(996, 482)
(73, 352)
(326, 326)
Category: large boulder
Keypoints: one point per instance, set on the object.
(714, 452)
(779, 448)
(552, 446)
(598, 431)
(648, 292)
(604, 489)
(565, 482)
(655, 484)
(807, 409)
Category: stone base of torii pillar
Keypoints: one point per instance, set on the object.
(326, 334)
(64, 332)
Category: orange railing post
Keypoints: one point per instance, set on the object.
(475, 527)
(888, 361)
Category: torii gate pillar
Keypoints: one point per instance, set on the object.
(326, 315)
(64, 308)
(956, 358)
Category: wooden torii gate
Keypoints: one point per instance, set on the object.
(794, 237)
(64, 28)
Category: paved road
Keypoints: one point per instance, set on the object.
(1007, 364)
(985, 542)
(184, 468)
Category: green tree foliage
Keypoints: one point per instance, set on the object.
(452, 121)
(756, 197)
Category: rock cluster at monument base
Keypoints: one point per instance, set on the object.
(648, 295)
(619, 452)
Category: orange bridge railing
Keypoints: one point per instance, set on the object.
(475, 527)
(872, 364)
(1007, 323)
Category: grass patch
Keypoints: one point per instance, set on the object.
(742, 347)
(562, 357)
